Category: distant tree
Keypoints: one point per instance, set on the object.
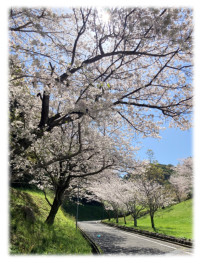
(150, 155)
(132, 198)
(180, 187)
(167, 170)
(136, 169)
(109, 189)
(154, 196)
(154, 173)
(182, 179)
(185, 168)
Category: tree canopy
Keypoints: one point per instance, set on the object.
(83, 83)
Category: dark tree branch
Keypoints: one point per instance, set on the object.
(45, 110)
(52, 68)
(126, 52)
(179, 69)
(53, 118)
(166, 110)
(20, 27)
(94, 172)
(47, 199)
(128, 121)
(81, 31)
(153, 78)
(64, 119)
(109, 54)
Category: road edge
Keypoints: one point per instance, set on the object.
(158, 236)
(95, 249)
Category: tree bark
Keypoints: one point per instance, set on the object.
(124, 219)
(117, 218)
(45, 110)
(178, 197)
(152, 221)
(55, 206)
(135, 221)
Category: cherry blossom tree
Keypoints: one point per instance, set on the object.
(185, 168)
(108, 189)
(182, 179)
(133, 199)
(76, 153)
(118, 194)
(180, 186)
(146, 190)
(135, 68)
(74, 150)
(81, 87)
(154, 196)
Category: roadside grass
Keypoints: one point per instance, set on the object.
(174, 221)
(35, 237)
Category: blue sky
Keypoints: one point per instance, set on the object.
(175, 144)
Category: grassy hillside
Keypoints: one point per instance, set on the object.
(173, 221)
(29, 234)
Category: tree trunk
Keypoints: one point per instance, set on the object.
(45, 110)
(178, 198)
(124, 219)
(152, 221)
(55, 206)
(109, 218)
(117, 218)
(135, 221)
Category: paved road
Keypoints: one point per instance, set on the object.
(116, 241)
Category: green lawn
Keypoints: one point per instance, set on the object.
(38, 238)
(173, 221)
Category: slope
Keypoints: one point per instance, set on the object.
(29, 234)
(174, 221)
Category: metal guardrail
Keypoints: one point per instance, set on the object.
(95, 248)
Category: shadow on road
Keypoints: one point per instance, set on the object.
(113, 244)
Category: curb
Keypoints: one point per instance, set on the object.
(179, 241)
(95, 248)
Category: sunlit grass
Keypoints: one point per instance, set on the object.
(173, 221)
(38, 238)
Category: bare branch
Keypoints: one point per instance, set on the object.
(47, 199)
(81, 31)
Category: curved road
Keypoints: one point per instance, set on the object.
(116, 241)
